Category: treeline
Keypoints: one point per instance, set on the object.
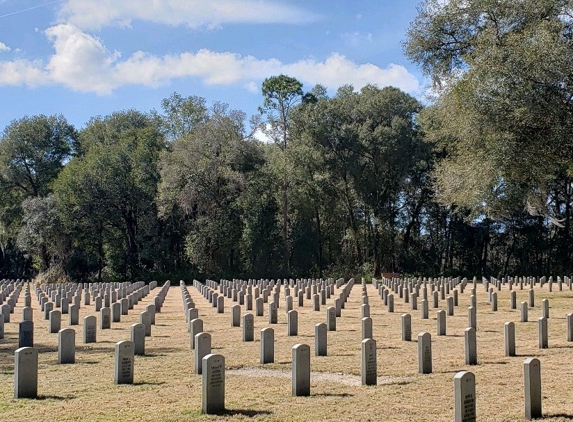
(344, 187)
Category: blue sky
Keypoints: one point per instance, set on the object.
(84, 58)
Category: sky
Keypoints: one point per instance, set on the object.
(88, 58)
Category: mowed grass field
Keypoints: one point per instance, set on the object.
(166, 389)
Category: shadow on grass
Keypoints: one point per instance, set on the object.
(558, 415)
(149, 383)
(243, 412)
(50, 397)
(494, 363)
(342, 395)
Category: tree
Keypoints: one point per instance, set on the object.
(281, 93)
(107, 194)
(504, 109)
(42, 233)
(369, 151)
(203, 175)
(33, 150)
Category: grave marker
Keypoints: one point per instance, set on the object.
(471, 346)
(25, 334)
(90, 331)
(267, 345)
(213, 384)
(123, 373)
(249, 327)
(369, 368)
(320, 339)
(26, 373)
(195, 327)
(138, 339)
(425, 353)
(464, 397)
(66, 346)
(532, 386)
(406, 327)
(202, 349)
(509, 334)
(301, 370)
(292, 323)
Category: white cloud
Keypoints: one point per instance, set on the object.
(82, 63)
(3, 47)
(21, 72)
(356, 38)
(90, 14)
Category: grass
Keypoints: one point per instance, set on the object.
(166, 389)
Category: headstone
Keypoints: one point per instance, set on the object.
(220, 304)
(494, 301)
(509, 331)
(55, 321)
(66, 346)
(248, 327)
(450, 306)
(25, 334)
(145, 319)
(267, 345)
(369, 366)
(236, 316)
(74, 314)
(365, 310)
(138, 339)
(292, 323)
(65, 305)
(124, 306)
(441, 322)
(320, 339)
(472, 317)
(27, 314)
(406, 327)
(531, 298)
(273, 313)
(543, 334)
(545, 308)
(202, 349)
(464, 397)
(25, 373)
(90, 329)
(301, 370)
(513, 299)
(425, 353)
(471, 346)
(390, 303)
(195, 327)
(570, 326)
(366, 328)
(116, 311)
(331, 318)
(532, 384)
(105, 318)
(523, 311)
(213, 384)
(124, 351)
(2, 327)
(259, 305)
(424, 308)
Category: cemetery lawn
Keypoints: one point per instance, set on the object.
(166, 389)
